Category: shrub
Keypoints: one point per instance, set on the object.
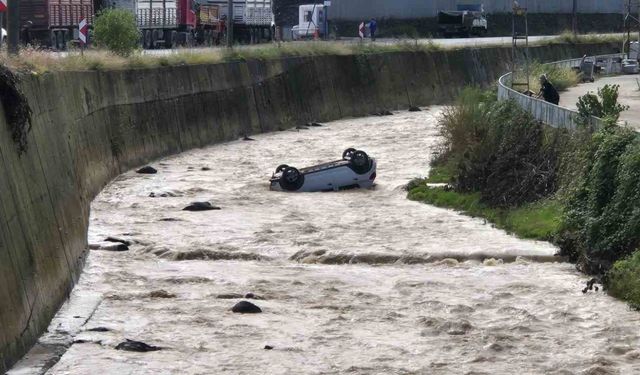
(605, 105)
(116, 30)
(499, 150)
(623, 280)
(602, 221)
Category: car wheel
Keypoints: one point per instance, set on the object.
(291, 179)
(360, 162)
(281, 168)
(348, 153)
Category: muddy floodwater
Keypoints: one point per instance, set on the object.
(353, 282)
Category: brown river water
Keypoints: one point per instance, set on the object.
(354, 282)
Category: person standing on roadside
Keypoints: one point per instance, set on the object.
(547, 91)
(373, 27)
(361, 31)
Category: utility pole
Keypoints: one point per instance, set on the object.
(574, 25)
(230, 24)
(13, 19)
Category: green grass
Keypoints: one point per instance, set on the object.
(623, 280)
(440, 174)
(539, 220)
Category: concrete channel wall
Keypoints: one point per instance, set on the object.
(89, 127)
(551, 114)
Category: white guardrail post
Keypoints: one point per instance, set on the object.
(551, 114)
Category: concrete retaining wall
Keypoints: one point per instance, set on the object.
(89, 127)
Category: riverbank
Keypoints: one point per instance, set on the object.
(577, 190)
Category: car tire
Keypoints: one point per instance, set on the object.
(360, 162)
(348, 153)
(281, 168)
(291, 179)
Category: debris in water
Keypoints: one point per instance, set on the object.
(200, 206)
(99, 329)
(590, 285)
(147, 170)
(136, 346)
(246, 307)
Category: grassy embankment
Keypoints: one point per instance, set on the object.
(578, 189)
(40, 61)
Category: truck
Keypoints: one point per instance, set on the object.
(169, 23)
(253, 20)
(468, 19)
(54, 23)
(311, 22)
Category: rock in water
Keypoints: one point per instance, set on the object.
(268, 347)
(136, 346)
(229, 296)
(245, 307)
(110, 246)
(316, 124)
(247, 138)
(205, 169)
(302, 127)
(414, 109)
(200, 206)
(147, 170)
(118, 239)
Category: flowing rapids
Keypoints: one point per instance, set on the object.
(357, 282)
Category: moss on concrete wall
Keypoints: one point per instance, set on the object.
(88, 127)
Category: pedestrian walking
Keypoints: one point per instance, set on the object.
(373, 27)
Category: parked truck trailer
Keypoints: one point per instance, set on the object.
(54, 23)
(252, 19)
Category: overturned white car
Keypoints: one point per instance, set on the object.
(355, 170)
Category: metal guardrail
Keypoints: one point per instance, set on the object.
(551, 114)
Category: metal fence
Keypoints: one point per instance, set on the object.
(551, 114)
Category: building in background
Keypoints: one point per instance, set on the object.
(412, 9)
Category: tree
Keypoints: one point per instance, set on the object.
(116, 30)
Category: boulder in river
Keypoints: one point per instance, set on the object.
(384, 112)
(109, 246)
(229, 296)
(136, 346)
(302, 127)
(118, 239)
(247, 138)
(200, 206)
(246, 307)
(252, 296)
(414, 109)
(147, 170)
(316, 124)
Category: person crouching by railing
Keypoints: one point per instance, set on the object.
(547, 91)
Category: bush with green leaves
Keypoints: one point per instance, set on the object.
(500, 150)
(116, 30)
(602, 219)
(604, 105)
